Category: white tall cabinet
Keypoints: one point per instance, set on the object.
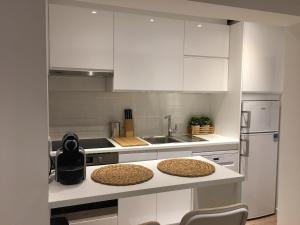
(263, 58)
(206, 50)
(80, 38)
(148, 53)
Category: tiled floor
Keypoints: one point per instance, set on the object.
(269, 220)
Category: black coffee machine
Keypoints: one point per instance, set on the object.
(70, 161)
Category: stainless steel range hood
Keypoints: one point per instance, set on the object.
(80, 72)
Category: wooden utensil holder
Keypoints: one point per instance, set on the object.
(129, 128)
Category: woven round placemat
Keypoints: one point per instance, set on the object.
(186, 167)
(122, 175)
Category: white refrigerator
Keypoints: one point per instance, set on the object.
(259, 152)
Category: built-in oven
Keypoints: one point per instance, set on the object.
(102, 158)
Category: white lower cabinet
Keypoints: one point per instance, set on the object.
(220, 195)
(217, 196)
(166, 208)
(172, 205)
(137, 210)
(113, 220)
(135, 157)
(173, 154)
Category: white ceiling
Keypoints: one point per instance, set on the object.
(291, 7)
(200, 9)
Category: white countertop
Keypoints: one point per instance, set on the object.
(89, 191)
(212, 140)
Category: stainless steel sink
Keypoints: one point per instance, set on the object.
(177, 139)
(190, 138)
(161, 140)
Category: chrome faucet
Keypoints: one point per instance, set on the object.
(170, 129)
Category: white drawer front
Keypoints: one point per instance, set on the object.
(101, 221)
(173, 154)
(135, 157)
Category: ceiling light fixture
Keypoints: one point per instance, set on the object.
(94, 12)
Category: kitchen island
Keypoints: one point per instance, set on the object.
(89, 191)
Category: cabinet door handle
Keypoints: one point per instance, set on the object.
(248, 120)
(246, 152)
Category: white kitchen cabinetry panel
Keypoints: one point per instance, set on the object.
(172, 205)
(135, 157)
(204, 39)
(220, 195)
(173, 154)
(205, 74)
(80, 39)
(137, 210)
(148, 53)
(263, 58)
(113, 220)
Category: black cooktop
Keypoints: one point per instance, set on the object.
(87, 143)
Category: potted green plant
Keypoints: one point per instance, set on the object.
(195, 121)
(200, 125)
(194, 124)
(205, 121)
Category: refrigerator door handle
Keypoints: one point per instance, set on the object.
(245, 152)
(247, 121)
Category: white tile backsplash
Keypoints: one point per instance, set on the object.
(89, 112)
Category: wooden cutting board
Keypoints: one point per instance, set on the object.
(129, 141)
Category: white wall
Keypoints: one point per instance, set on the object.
(23, 114)
(289, 158)
(226, 108)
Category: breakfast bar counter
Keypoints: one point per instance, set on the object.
(89, 191)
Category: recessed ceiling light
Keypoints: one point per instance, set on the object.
(91, 73)
(94, 12)
(199, 25)
(152, 20)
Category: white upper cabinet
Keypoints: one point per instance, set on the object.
(148, 53)
(80, 38)
(263, 58)
(203, 39)
(206, 49)
(205, 74)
